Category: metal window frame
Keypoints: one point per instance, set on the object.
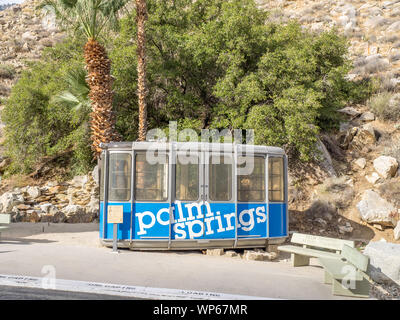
(284, 169)
(111, 152)
(260, 155)
(199, 171)
(207, 175)
(138, 152)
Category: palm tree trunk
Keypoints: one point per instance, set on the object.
(99, 78)
(141, 17)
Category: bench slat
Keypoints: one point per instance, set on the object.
(355, 257)
(309, 252)
(321, 242)
(5, 218)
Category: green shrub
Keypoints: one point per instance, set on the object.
(36, 124)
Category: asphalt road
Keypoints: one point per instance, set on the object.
(71, 252)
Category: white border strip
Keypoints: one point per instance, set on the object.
(121, 290)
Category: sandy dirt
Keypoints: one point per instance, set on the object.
(77, 234)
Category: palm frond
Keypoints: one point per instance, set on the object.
(77, 95)
(89, 16)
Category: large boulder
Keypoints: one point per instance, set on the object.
(48, 208)
(386, 257)
(376, 210)
(77, 214)
(93, 206)
(350, 111)
(373, 178)
(361, 162)
(95, 175)
(325, 159)
(365, 136)
(9, 200)
(79, 181)
(33, 192)
(346, 137)
(367, 116)
(386, 166)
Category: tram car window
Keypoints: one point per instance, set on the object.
(251, 187)
(187, 179)
(220, 178)
(151, 180)
(120, 177)
(276, 186)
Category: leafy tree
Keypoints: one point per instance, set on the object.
(221, 62)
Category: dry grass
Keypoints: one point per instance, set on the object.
(4, 90)
(16, 181)
(393, 150)
(394, 57)
(384, 106)
(336, 191)
(7, 71)
(390, 39)
(375, 65)
(390, 190)
(386, 83)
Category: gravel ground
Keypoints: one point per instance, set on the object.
(385, 291)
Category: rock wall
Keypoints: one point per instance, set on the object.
(73, 201)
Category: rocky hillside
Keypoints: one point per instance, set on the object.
(372, 27)
(23, 35)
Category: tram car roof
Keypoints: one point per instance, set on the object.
(199, 146)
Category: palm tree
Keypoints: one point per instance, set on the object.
(93, 18)
(141, 18)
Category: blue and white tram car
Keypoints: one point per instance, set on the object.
(183, 195)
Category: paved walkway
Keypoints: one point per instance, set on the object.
(74, 252)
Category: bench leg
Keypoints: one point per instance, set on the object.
(299, 260)
(361, 289)
(327, 278)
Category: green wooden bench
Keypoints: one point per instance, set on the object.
(313, 246)
(349, 275)
(4, 219)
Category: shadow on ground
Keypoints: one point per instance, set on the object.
(26, 229)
